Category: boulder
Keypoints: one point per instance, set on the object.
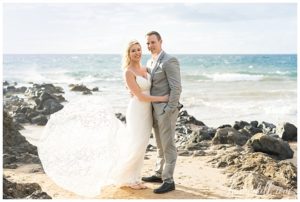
(40, 120)
(248, 180)
(240, 125)
(229, 136)
(50, 106)
(204, 133)
(255, 183)
(224, 126)
(80, 88)
(271, 145)
(49, 88)
(95, 89)
(59, 98)
(267, 128)
(16, 149)
(254, 124)
(12, 190)
(37, 90)
(121, 117)
(287, 131)
(238, 162)
(252, 130)
(183, 129)
(20, 118)
(87, 92)
(185, 118)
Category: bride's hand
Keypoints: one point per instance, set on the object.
(130, 93)
(165, 98)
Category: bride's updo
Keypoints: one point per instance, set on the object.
(126, 57)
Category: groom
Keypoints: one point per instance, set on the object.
(165, 74)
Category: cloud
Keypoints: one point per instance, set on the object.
(186, 27)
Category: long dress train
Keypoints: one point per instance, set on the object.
(84, 147)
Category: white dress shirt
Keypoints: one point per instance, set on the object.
(152, 62)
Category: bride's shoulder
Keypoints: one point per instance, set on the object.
(128, 73)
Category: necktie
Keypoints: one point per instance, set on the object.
(151, 64)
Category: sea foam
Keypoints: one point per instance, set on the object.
(228, 77)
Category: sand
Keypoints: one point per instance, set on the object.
(194, 180)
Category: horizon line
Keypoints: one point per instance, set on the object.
(150, 54)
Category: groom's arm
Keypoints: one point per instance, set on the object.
(172, 69)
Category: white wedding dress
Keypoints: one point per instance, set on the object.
(84, 147)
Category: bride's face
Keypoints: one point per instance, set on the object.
(135, 53)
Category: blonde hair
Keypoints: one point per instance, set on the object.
(126, 57)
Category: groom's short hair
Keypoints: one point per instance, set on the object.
(154, 33)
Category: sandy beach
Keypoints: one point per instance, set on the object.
(195, 179)
(197, 186)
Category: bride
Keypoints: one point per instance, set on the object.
(84, 147)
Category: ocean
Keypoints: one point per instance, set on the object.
(216, 89)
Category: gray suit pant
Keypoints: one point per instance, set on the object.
(164, 131)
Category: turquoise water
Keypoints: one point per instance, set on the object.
(217, 89)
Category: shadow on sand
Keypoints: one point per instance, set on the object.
(181, 192)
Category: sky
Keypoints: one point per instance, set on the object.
(186, 28)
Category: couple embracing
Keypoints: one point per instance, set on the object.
(154, 103)
(159, 84)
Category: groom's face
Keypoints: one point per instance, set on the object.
(153, 44)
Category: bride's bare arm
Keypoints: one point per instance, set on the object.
(135, 90)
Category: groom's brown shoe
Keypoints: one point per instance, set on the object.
(152, 178)
(165, 187)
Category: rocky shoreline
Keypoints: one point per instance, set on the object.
(255, 156)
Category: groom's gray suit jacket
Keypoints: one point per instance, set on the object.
(166, 80)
